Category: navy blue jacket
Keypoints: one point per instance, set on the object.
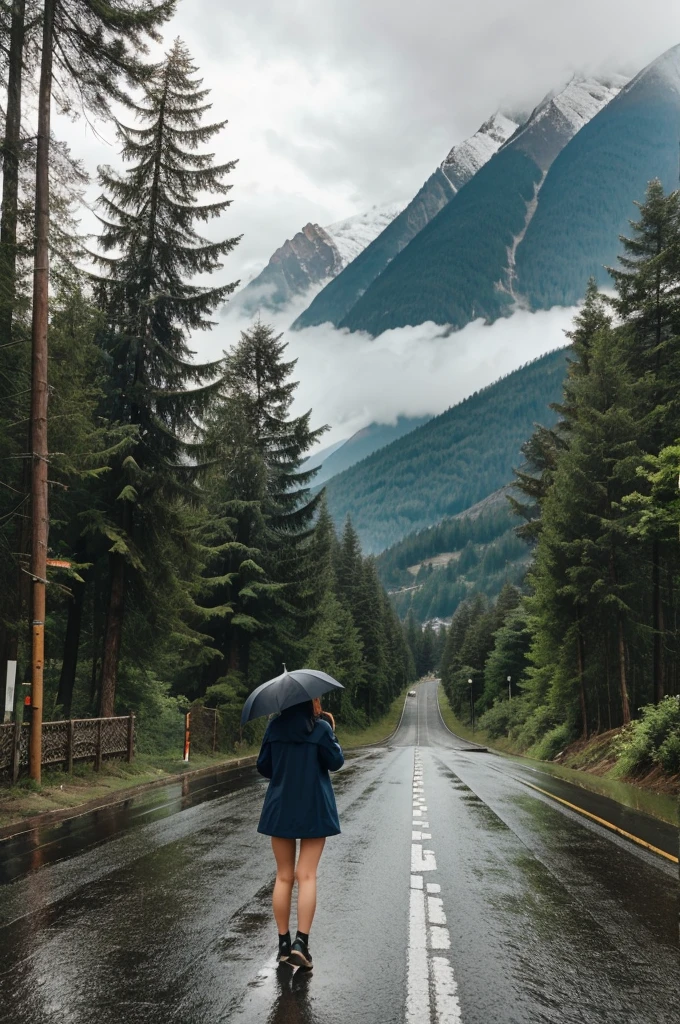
(297, 754)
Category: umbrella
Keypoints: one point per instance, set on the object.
(287, 689)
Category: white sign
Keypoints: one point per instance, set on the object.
(9, 689)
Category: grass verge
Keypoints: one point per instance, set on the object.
(466, 732)
(60, 790)
(589, 769)
(377, 731)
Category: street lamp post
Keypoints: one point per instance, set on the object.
(472, 708)
(509, 688)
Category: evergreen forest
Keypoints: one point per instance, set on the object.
(452, 462)
(430, 573)
(188, 555)
(450, 272)
(586, 198)
(593, 646)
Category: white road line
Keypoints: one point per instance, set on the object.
(418, 975)
(422, 860)
(428, 976)
(435, 910)
(445, 992)
(439, 938)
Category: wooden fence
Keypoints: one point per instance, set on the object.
(77, 739)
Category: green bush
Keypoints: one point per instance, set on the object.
(552, 743)
(529, 732)
(504, 716)
(668, 755)
(160, 726)
(653, 739)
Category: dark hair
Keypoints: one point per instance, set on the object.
(305, 708)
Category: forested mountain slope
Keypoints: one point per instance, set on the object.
(462, 163)
(461, 265)
(586, 202)
(363, 443)
(451, 462)
(432, 571)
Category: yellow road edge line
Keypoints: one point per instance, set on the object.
(601, 821)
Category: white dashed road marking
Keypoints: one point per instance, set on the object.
(427, 973)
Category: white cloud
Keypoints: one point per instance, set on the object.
(350, 380)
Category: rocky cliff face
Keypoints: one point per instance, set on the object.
(308, 258)
(312, 257)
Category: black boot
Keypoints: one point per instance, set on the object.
(284, 948)
(299, 952)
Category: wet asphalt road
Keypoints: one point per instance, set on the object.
(158, 910)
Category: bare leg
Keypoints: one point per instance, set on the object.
(308, 861)
(284, 851)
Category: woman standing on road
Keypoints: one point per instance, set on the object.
(299, 749)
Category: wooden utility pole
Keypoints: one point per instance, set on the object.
(39, 450)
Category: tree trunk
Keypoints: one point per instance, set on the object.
(10, 172)
(581, 684)
(8, 272)
(657, 624)
(71, 647)
(113, 636)
(39, 392)
(625, 706)
(234, 660)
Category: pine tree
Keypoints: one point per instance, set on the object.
(333, 643)
(580, 579)
(541, 453)
(648, 300)
(261, 487)
(151, 308)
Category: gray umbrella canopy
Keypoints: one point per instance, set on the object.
(287, 689)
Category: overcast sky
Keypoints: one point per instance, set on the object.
(335, 105)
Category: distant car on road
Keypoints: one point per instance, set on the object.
(412, 693)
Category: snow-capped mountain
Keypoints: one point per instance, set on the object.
(560, 115)
(312, 257)
(464, 264)
(352, 235)
(466, 158)
(587, 199)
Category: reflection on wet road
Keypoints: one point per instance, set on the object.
(455, 893)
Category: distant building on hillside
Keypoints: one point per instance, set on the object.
(437, 624)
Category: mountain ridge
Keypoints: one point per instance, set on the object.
(460, 165)
(311, 257)
(460, 266)
(451, 462)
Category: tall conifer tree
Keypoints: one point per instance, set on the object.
(149, 218)
(262, 566)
